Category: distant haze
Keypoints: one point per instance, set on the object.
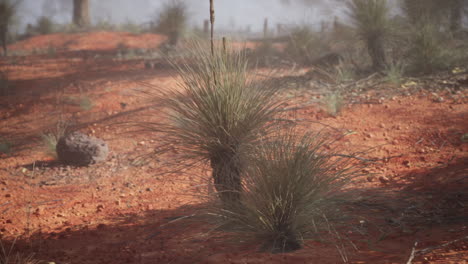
(230, 14)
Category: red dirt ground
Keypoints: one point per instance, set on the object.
(117, 211)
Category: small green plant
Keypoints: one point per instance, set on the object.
(5, 85)
(172, 21)
(333, 102)
(51, 138)
(292, 192)
(86, 103)
(5, 146)
(344, 72)
(394, 72)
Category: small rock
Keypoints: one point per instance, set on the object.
(141, 143)
(100, 208)
(407, 163)
(149, 189)
(101, 226)
(7, 195)
(8, 221)
(370, 178)
(383, 179)
(382, 125)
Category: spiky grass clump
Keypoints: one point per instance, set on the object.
(371, 19)
(217, 113)
(51, 138)
(172, 20)
(291, 192)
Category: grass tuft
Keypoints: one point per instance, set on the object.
(292, 191)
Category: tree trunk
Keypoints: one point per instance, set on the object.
(456, 11)
(81, 16)
(376, 52)
(227, 178)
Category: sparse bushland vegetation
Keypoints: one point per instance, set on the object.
(9, 256)
(218, 114)
(304, 45)
(371, 18)
(7, 14)
(5, 85)
(292, 191)
(172, 21)
(45, 25)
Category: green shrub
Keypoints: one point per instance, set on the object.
(426, 53)
(218, 113)
(45, 25)
(292, 192)
(304, 45)
(172, 21)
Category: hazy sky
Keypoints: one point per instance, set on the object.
(229, 13)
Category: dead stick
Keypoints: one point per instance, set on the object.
(413, 251)
(212, 20)
(427, 250)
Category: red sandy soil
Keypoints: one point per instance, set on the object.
(118, 211)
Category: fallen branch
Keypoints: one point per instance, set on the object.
(367, 160)
(413, 251)
(429, 249)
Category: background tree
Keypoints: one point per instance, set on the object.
(81, 15)
(372, 22)
(7, 12)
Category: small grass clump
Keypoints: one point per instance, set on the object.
(217, 114)
(5, 86)
(292, 191)
(395, 72)
(9, 256)
(51, 138)
(5, 146)
(333, 102)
